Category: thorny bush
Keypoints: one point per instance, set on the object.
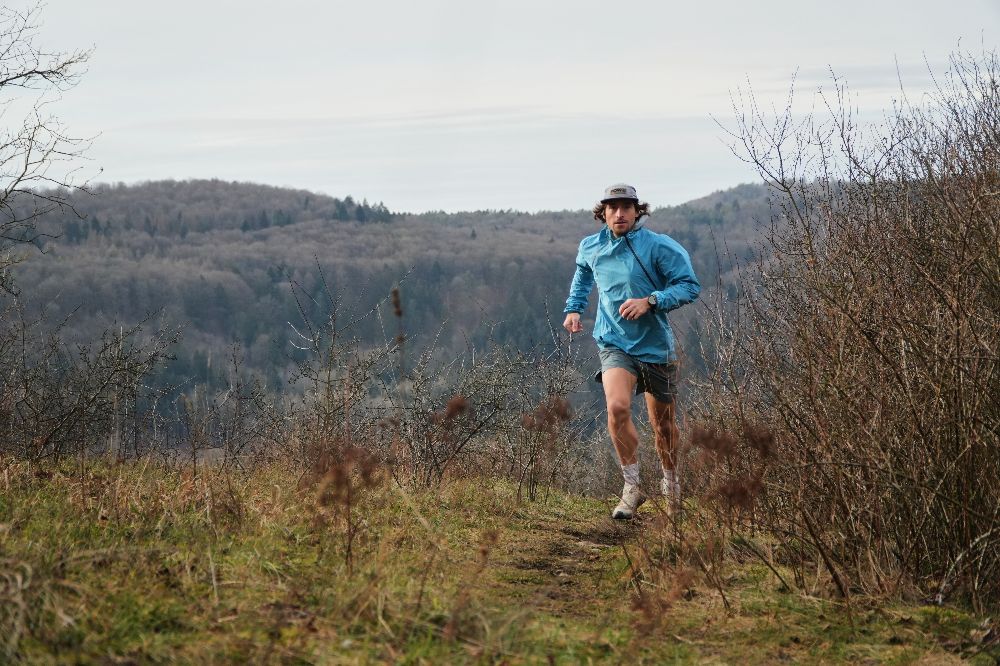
(59, 399)
(498, 411)
(866, 339)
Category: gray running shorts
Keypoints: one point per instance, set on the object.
(659, 379)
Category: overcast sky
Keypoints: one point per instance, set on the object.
(458, 105)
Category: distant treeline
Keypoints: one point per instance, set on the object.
(177, 208)
(240, 263)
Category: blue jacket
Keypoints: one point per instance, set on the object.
(607, 262)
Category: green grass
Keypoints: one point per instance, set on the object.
(144, 563)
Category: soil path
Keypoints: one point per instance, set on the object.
(559, 566)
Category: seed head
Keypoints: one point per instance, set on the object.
(760, 437)
(397, 306)
(712, 439)
(457, 406)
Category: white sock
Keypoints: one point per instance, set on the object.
(670, 480)
(631, 474)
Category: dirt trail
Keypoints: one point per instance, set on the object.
(558, 568)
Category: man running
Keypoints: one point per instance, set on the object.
(640, 276)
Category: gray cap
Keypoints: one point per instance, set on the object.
(620, 191)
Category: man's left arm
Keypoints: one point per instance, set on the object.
(674, 265)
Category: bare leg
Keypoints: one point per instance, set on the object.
(619, 387)
(665, 432)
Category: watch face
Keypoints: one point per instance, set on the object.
(652, 299)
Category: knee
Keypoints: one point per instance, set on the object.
(619, 411)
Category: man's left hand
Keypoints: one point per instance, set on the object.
(634, 308)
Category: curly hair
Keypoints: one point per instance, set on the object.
(641, 210)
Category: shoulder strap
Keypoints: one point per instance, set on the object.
(641, 265)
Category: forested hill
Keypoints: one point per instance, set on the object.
(219, 258)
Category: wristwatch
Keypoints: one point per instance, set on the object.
(651, 299)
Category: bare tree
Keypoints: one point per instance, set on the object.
(39, 160)
(56, 398)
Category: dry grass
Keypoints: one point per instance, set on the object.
(146, 562)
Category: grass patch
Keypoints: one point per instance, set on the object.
(147, 563)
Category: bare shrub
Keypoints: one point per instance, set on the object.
(58, 399)
(867, 338)
(240, 426)
(500, 411)
(496, 411)
(543, 427)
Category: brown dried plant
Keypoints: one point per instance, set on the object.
(866, 338)
(345, 486)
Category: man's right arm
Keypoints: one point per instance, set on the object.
(579, 292)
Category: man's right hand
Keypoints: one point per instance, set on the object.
(572, 323)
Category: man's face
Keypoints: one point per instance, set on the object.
(620, 216)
